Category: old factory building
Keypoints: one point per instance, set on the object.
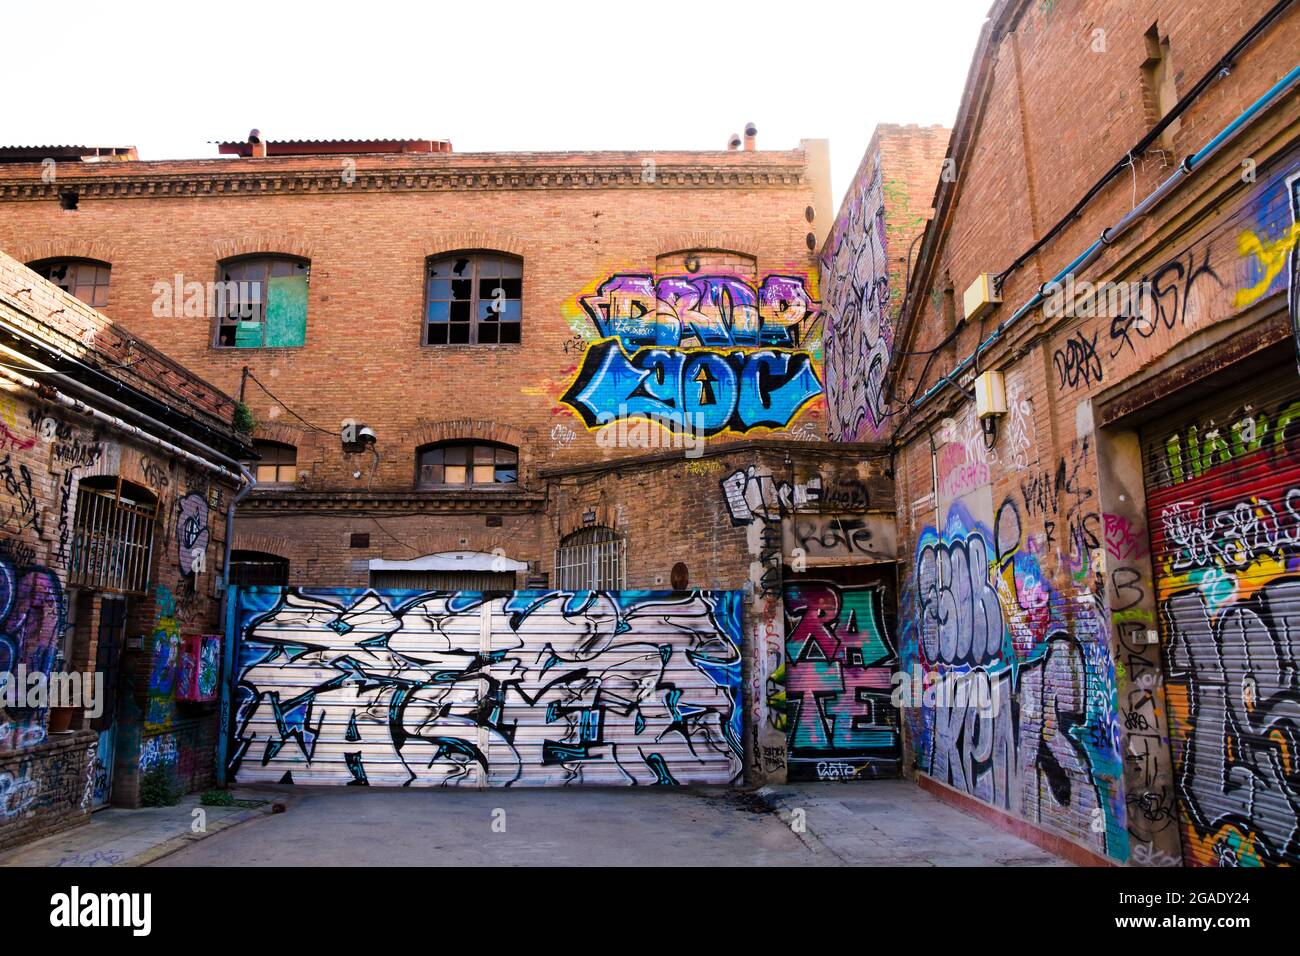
(651, 468)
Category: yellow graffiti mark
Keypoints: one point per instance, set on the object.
(1271, 257)
(9, 411)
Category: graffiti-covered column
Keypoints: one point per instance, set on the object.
(756, 501)
(1131, 605)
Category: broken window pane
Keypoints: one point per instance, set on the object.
(262, 302)
(82, 278)
(474, 294)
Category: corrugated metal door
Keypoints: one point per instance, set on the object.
(835, 686)
(1223, 498)
(538, 688)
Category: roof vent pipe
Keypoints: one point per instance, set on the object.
(751, 131)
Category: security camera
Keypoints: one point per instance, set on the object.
(366, 435)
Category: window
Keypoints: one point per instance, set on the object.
(472, 300)
(85, 279)
(589, 560)
(466, 464)
(251, 568)
(278, 464)
(261, 302)
(112, 536)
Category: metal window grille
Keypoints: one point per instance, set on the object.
(112, 543)
(591, 559)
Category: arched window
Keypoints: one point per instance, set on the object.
(261, 302)
(473, 298)
(112, 535)
(84, 278)
(258, 567)
(277, 463)
(590, 559)
(464, 464)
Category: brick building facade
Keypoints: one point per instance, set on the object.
(580, 370)
(118, 468)
(1096, 541)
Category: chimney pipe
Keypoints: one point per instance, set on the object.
(734, 142)
(259, 145)
(751, 131)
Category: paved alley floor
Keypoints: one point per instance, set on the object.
(896, 823)
(880, 822)
(117, 837)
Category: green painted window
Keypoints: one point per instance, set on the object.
(264, 303)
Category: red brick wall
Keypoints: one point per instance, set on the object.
(1023, 524)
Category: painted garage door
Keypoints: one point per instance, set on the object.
(1224, 504)
(836, 682)
(529, 688)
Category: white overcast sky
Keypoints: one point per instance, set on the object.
(168, 77)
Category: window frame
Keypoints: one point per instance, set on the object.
(470, 445)
(605, 554)
(269, 261)
(476, 258)
(114, 536)
(77, 262)
(263, 445)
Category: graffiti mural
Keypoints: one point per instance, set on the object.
(1014, 698)
(165, 653)
(32, 613)
(839, 663)
(192, 534)
(454, 688)
(705, 354)
(859, 332)
(1227, 550)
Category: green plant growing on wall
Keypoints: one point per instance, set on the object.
(243, 420)
(157, 789)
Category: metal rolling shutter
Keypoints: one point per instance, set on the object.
(538, 688)
(1223, 499)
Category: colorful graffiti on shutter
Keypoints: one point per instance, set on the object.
(399, 688)
(1226, 543)
(839, 663)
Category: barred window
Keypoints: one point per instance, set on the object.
(112, 539)
(589, 560)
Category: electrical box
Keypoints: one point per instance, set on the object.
(200, 668)
(990, 395)
(981, 297)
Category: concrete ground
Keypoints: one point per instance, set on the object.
(116, 837)
(896, 823)
(878, 822)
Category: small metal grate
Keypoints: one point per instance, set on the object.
(591, 559)
(112, 544)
